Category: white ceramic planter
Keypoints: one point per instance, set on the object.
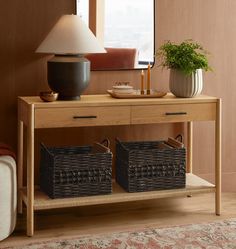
(186, 86)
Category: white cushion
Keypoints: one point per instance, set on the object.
(8, 196)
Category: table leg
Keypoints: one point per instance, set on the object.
(30, 173)
(20, 165)
(218, 158)
(189, 147)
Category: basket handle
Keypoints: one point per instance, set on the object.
(102, 147)
(106, 142)
(180, 138)
(119, 142)
(45, 148)
(176, 142)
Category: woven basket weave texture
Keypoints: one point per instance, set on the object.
(142, 166)
(75, 171)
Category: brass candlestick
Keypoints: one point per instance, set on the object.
(142, 82)
(149, 79)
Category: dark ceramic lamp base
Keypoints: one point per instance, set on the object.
(68, 75)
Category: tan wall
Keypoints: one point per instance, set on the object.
(23, 72)
(23, 24)
(213, 24)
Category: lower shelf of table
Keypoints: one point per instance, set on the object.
(194, 185)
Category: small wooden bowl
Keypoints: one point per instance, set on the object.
(48, 96)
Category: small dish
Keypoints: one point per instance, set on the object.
(123, 89)
(48, 96)
(126, 91)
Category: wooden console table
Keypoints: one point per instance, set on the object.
(103, 110)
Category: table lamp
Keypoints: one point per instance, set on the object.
(69, 71)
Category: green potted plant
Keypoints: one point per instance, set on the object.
(186, 62)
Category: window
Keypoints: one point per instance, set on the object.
(123, 24)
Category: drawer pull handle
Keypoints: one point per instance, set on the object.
(176, 113)
(84, 117)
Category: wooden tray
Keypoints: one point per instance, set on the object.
(137, 94)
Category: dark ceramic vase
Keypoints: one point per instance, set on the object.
(68, 75)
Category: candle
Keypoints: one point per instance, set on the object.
(149, 79)
(142, 82)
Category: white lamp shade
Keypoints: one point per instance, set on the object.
(70, 35)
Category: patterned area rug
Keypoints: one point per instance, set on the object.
(214, 235)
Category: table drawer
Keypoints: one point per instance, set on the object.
(82, 116)
(172, 113)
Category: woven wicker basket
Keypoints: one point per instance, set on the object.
(75, 171)
(142, 166)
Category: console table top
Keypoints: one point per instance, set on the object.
(106, 99)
